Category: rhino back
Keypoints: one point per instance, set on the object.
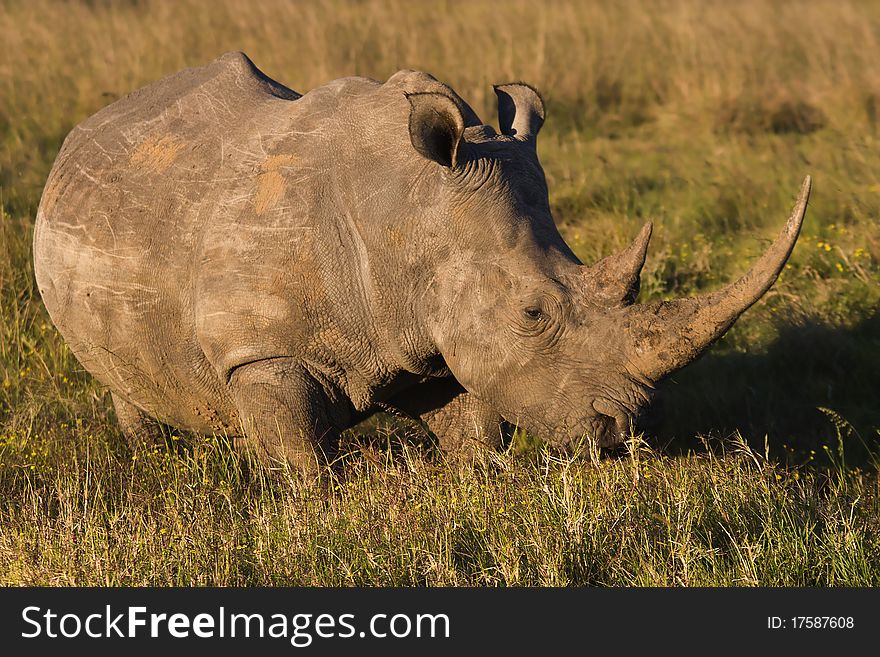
(217, 218)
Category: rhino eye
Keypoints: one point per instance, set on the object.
(534, 313)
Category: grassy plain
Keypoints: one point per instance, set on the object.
(701, 116)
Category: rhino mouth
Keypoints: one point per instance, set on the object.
(610, 431)
(613, 424)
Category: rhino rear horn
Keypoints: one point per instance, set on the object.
(520, 110)
(615, 280)
(436, 125)
(663, 337)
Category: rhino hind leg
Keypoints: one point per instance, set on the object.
(287, 416)
(139, 429)
(463, 423)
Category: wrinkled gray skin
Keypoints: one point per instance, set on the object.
(227, 255)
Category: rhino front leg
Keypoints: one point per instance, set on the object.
(462, 422)
(286, 414)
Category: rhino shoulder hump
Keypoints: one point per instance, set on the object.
(241, 66)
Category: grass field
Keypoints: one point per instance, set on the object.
(701, 116)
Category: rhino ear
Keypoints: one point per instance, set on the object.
(520, 110)
(435, 127)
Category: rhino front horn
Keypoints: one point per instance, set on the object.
(665, 336)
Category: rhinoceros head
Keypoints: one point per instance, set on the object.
(558, 347)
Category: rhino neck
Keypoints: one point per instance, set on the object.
(390, 270)
(378, 240)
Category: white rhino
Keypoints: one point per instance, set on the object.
(225, 254)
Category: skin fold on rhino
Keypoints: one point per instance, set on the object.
(227, 255)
